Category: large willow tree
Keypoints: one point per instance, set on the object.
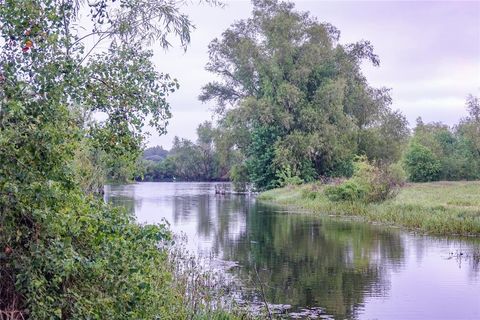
(294, 100)
(63, 254)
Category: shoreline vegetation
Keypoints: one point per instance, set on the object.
(442, 208)
(291, 104)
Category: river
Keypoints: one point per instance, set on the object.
(337, 268)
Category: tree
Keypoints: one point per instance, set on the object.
(386, 140)
(284, 73)
(206, 143)
(469, 128)
(421, 164)
(468, 135)
(66, 255)
(187, 158)
(156, 153)
(455, 148)
(473, 107)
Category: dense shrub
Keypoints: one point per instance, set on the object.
(451, 153)
(397, 173)
(85, 260)
(421, 164)
(287, 178)
(369, 183)
(348, 191)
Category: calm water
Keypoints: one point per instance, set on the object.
(347, 269)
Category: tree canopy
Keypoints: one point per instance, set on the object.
(296, 98)
(65, 254)
(439, 152)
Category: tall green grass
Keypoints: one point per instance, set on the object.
(439, 208)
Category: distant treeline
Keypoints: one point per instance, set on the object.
(188, 161)
(293, 106)
(432, 151)
(439, 152)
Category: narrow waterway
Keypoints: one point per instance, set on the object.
(337, 268)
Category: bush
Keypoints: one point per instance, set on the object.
(369, 183)
(397, 173)
(287, 178)
(421, 164)
(89, 261)
(347, 191)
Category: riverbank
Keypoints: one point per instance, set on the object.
(446, 208)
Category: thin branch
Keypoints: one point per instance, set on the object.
(90, 51)
(89, 35)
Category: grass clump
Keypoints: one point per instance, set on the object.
(438, 207)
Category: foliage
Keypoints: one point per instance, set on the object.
(368, 184)
(378, 141)
(287, 178)
(65, 254)
(239, 177)
(421, 164)
(295, 97)
(88, 166)
(456, 149)
(261, 153)
(203, 160)
(444, 208)
(157, 171)
(91, 269)
(397, 173)
(350, 190)
(207, 159)
(155, 153)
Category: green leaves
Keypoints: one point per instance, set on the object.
(66, 255)
(282, 70)
(421, 164)
(370, 183)
(440, 152)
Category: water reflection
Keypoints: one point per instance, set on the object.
(350, 269)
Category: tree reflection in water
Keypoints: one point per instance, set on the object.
(303, 261)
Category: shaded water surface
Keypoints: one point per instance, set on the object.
(349, 270)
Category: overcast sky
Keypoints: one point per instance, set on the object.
(429, 53)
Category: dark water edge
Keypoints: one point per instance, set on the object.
(320, 265)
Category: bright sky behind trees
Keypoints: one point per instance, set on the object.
(429, 53)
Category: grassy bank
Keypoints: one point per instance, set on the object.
(439, 207)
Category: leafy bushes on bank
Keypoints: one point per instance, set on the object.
(287, 177)
(368, 184)
(439, 152)
(86, 260)
(421, 164)
(348, 191)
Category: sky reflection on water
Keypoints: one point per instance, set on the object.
(351, 270)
